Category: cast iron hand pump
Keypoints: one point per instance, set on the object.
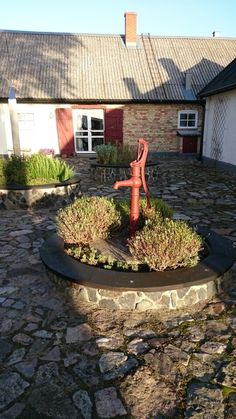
(135, 182)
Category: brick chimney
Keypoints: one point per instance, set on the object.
(130, 29)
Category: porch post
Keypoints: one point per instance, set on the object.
(14, 122)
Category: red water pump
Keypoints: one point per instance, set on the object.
(135, 182)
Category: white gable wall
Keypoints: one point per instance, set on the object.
(40, 134)
(220, 128)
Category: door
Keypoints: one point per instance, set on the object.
(65, 130)
(88, 129)
(114, 125)
(190, 144)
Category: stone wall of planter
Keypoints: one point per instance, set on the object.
(109, 173)
(115, 290)
(138, 300)
(39, 195)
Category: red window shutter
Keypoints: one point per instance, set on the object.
(65, 130)
(114, 125)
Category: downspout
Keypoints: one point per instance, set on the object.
(203, 104)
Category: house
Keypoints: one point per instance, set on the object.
(219, 142)
(75, 91)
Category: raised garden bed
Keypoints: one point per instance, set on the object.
(23, 197)
(172, 289)
(111, 172)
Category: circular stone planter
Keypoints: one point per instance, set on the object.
(140, 290)
(23, 197)
(111, 172)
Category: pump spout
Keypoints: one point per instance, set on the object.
(124, 183)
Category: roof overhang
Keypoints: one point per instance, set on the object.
(104, 101)
(188, 132)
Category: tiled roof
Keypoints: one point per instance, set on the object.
(226, 80)
(70, 67)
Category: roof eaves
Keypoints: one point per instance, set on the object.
(209, 89)
(103, 101)
(217, 91)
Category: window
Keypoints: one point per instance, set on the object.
(88, 128)
(187, 119)
(26, 120)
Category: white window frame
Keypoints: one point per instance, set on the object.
(89, 113)
(26, 120)
(188, 112)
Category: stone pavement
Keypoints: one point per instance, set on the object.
(61, 361)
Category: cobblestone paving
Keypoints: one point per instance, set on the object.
(62, 361)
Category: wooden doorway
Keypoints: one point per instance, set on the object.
(190, 144)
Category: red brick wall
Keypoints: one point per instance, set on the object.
(156, 123)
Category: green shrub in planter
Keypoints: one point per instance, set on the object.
(39, 166)
(166, 245)
(115, 154)
(34, 169)
(87, 219)
(159, 209)
(105, 153)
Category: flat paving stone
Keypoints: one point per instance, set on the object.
(5, 349)
(111, 360)
(83, 403)
(51, 401)
(16, 356)
(226, 376)
(11, 387)
(81, 333)
(108, 405)
(27, 368)
(204, 401)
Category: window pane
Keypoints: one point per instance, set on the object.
(81, 134)
(97, 141)
(96, 123)
(192, 116)
(183, 116)
(81, 144)
(97, 133)
(191, 123)
(183, 124)
(84, 122)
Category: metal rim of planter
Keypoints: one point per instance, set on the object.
(120, 166)
(221, 257)
(74, 179)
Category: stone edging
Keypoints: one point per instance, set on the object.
(109, 172)
(155, 290)
(23, 197)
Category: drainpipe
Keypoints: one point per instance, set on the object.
(202, 131)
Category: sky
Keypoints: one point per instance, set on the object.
(157, 17)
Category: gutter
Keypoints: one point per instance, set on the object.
(102, 101)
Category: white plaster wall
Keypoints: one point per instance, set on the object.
(229, 140)
(44, 132)
(42, 135)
